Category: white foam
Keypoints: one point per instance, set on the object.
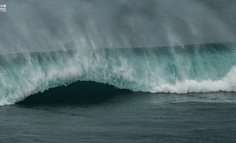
(228, 83)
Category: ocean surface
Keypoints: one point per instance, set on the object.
(123, 117)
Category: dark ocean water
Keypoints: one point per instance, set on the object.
(124, 117)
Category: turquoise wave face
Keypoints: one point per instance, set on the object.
(179, 69)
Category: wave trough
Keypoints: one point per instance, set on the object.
(177, 69)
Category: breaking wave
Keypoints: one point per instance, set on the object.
(177, 69)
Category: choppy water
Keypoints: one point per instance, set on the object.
(125, 117)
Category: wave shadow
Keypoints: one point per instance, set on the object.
(79, 93)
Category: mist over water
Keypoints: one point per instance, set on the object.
(31, 25)
(148, 46)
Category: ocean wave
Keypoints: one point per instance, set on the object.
(179, 69)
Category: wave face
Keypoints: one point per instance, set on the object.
(78, 93)
(179, 69)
